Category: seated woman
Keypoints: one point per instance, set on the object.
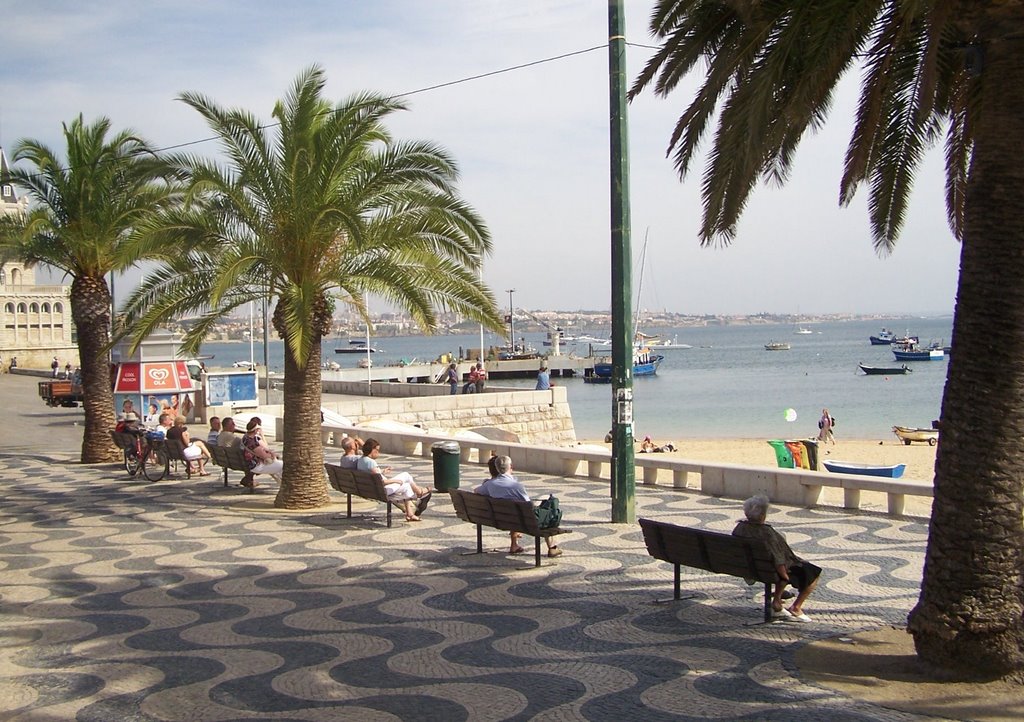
(400, 488)
(195, 450)
(258, 455)
(792, 569)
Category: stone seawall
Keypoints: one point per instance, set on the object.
(535, 416)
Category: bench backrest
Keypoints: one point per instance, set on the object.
(175, 449)
(229, 457)
(505, 514)
(358, 483)
(709, 550)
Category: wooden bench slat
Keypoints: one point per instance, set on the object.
(365, 485)
(502, 514)
(711, 551)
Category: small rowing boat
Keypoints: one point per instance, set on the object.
(908, 434)
(885, 370)
(848, 467)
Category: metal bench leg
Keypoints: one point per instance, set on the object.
(348, 505)
(676, 586)
(388, 506)
(225, 476)
(536, 551)
(479, 539)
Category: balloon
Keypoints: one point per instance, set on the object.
(790, 415)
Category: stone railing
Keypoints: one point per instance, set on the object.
(797, 487)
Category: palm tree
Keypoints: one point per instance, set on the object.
(949, 70)
(84, 222)
(327, 208)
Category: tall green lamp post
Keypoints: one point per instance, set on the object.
(623, 470)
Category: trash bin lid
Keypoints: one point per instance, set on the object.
(449, 446)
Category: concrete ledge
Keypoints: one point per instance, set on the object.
(798, 487)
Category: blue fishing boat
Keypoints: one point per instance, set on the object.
(847, 467)
(645, 363)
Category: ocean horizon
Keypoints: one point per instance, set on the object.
(727, 385)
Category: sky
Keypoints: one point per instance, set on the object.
(532, 144)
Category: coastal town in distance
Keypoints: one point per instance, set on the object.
(539, 321)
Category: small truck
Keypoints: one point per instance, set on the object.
(61, 392)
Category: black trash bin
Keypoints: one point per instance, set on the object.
(446, 456)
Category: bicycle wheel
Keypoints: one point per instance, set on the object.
(156, 464)
(131, 462)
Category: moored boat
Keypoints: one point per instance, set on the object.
(848, 467)
(908, 434)
(885, 370)
(914, 352)
(887, 338)
(357, 349)
(776, 346)
(645, 363)
(802, 331)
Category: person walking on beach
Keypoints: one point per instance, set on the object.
(825, 424)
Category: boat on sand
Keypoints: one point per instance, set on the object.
(848, 467)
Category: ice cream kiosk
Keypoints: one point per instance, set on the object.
(154, 380)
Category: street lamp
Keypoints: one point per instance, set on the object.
(511, 322)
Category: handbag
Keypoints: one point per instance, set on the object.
(549, 514)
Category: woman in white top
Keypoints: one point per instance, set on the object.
(401, 488)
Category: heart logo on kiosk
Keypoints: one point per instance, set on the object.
(158, 375)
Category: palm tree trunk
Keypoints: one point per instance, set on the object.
(90, 309)
(303, 485)
(969, 614)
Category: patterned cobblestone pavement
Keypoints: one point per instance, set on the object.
(185, 600)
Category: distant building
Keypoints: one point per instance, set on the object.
(35, 320)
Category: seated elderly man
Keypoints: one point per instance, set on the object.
(792, 569)
(228, 436)
(350, 458)
(502, 485)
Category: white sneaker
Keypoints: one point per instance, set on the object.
(782, 614)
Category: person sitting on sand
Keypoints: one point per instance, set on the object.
(502, 485)
(792, 569)
(646, 446)
(401, 489)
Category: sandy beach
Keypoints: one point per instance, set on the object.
(919, 458)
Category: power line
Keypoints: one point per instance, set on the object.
(467, 79)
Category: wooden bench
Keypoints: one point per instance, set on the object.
(352, 482)
(176, 453)
(504, 514)
(713, 552)
(230, 457)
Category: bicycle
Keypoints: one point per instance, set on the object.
(155, 462)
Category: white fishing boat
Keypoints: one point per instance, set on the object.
(802, 331)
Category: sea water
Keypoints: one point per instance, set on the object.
(727, 385)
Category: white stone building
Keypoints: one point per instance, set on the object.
(35, 320)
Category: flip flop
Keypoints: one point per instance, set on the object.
(516, 550)
(413, 518)
(421, 505)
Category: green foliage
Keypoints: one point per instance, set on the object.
(771, 70)
(322, 206)
(87, 209)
